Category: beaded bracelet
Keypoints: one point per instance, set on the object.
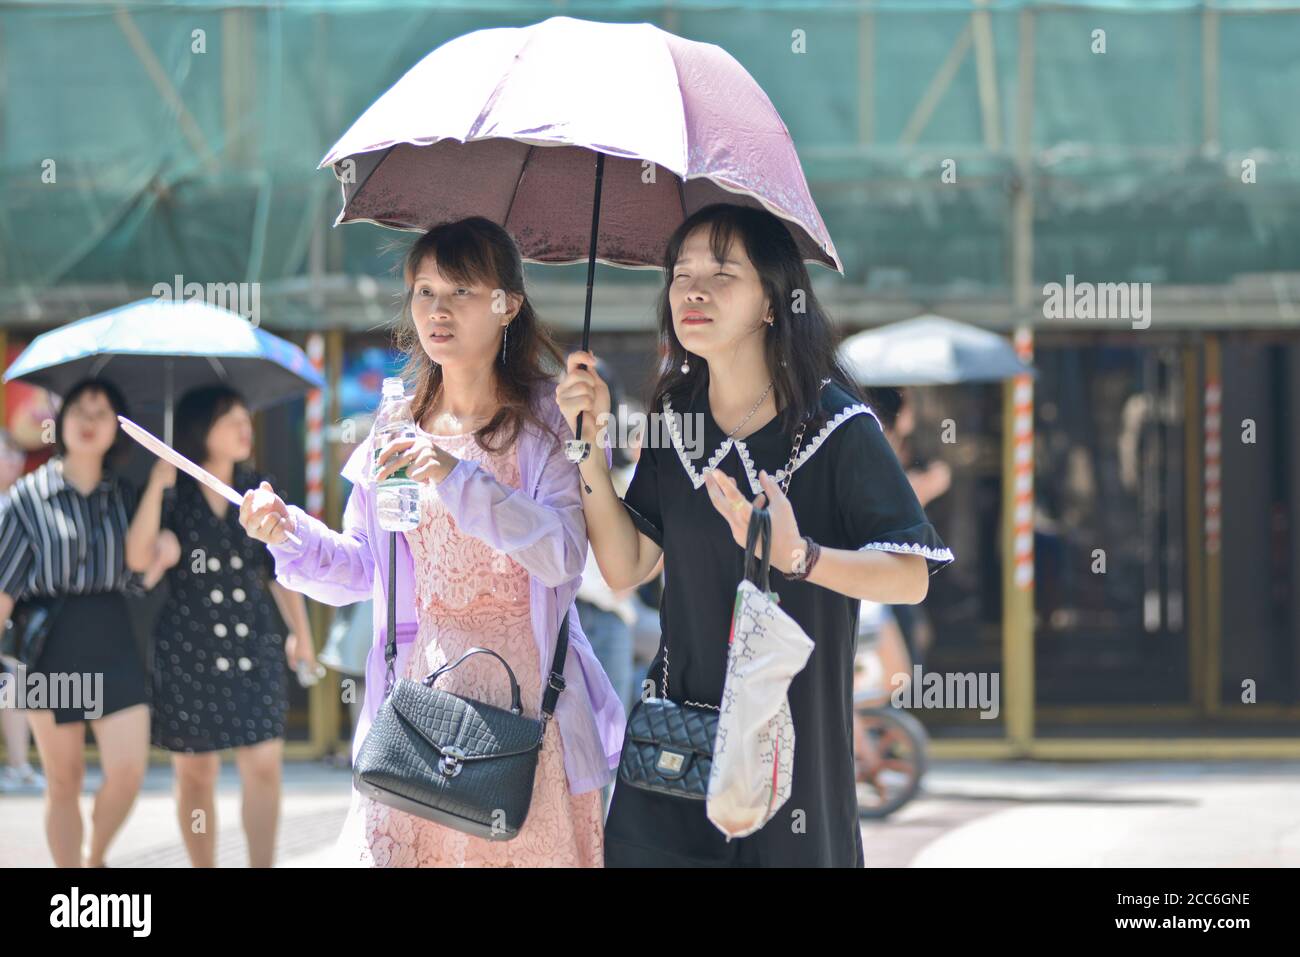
(812, 551)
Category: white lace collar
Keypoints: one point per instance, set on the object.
(809, 446)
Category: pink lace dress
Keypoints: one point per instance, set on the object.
(468, 594)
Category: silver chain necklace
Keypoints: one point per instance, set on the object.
(749, 415)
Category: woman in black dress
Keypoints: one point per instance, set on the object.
(64, 536)
(751, 365)
(219, 665)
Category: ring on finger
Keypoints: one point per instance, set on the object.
(737, 506)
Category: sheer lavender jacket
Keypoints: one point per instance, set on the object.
(544, 530)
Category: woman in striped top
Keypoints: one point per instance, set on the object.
(64, 534)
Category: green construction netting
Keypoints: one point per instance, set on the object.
(169, 160)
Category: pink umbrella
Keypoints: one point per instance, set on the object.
(585, 140)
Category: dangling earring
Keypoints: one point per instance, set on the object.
(504, 336)
(686, 366)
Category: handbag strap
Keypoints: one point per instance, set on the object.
(764, 527)
(515, 704)
(390, 645)
(760, 523)
(756, 569)
(554, 681)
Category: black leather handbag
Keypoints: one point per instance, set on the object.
(28, 626)
(668, 747)
(462, 763)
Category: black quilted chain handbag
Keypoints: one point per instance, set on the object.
(668, 746)
(459, 762)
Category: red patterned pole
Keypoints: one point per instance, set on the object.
(1023, 451)
(315, 431)
(1213, 458)
(1023, 437)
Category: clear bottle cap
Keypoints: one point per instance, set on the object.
(393, 385)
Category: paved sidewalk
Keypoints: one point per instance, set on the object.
(1119, 814)
(315, 801)
(971, 814)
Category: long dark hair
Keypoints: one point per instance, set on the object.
(117, 454)
(805, 340)
(478, 250)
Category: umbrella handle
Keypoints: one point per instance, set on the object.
(576, 450)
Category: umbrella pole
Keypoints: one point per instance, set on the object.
(167, 407)
(575, 449)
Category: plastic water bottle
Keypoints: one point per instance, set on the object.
(397, 498)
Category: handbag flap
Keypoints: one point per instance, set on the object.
(661, 721)
(475, 729)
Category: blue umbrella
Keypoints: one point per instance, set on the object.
(930, 350)
(156, 349)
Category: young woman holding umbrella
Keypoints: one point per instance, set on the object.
(752, 354)
(219, 676)
(495, 561)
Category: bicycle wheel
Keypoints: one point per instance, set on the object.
(890, 762)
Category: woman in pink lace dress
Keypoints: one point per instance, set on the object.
(495, 561)
(469, 594)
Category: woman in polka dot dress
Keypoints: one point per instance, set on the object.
(220, 679)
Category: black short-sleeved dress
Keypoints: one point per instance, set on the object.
(219, 674)
(848, 491)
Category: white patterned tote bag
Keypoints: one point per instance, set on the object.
(753, 753)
